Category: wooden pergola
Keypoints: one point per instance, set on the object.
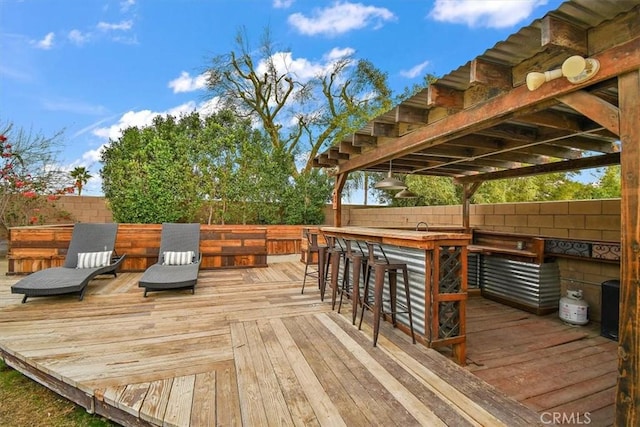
(481, 122)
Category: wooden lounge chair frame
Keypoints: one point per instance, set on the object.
(178, 238)
(86, 237)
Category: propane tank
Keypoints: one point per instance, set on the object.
(573, 309)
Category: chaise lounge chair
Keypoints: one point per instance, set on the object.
(91, 253)
(178, 261)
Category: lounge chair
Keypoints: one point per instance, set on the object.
(90, 254)
(178, 261)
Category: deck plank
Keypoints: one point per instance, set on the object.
(203, 410)
(227, 397)
(132, 398)
(155, 403)
(178, 412)
(251, 404)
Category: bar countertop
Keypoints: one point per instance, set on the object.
(396, 236)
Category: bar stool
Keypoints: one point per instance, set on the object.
(357, 257)
(336, 254)
(314, 249)
(382, 266)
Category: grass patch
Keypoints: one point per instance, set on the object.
(26, 403)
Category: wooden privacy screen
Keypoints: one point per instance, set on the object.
(36, 248)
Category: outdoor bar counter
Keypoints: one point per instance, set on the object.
(437, 264)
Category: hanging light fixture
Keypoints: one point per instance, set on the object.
(405, 194)
(390, 183)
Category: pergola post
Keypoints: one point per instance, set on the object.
(628, 388)
(468, 190)
(341, 179)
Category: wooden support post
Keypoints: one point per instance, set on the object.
(628, 388)
(467, 191)
(341, 179)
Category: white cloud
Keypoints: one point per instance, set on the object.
(186, 83)
(209, 107)
(77, 37)
(415, 71)
(302, 68)
(126, 5)
(120, 26)
(93, 156)
(282, 4)
(488, 13)
(128, 119)
(93, 187)
(340, 18)
(339, 53)
(46, 43)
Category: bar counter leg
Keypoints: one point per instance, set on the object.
(460, 353)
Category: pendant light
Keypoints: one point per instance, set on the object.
(390, 183)
(405, 194)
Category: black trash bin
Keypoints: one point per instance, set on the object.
(610, 306)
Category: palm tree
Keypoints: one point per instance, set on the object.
(80, 175)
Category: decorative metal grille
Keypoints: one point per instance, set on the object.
(449, 321)
(567, 247)
(608, 251)
(450, 269)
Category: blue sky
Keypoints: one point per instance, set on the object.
(93, 67)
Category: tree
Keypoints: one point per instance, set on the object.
(431, 191)
(306, 199)
(171, 170)
(148, 174)
(29, 177)
(233, 163)
(299, 114)
(80, 176)
(608, 185)
(551, 186)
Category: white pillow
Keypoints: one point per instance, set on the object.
(94, 259)
(178, 258)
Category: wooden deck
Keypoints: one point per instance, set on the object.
(249, 349)
(550, 366)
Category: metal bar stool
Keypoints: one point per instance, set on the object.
(358, 259)
(314, 248)
(382, 266)
(336, 254)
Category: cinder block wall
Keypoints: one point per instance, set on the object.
(85, 208)
(597, 220)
